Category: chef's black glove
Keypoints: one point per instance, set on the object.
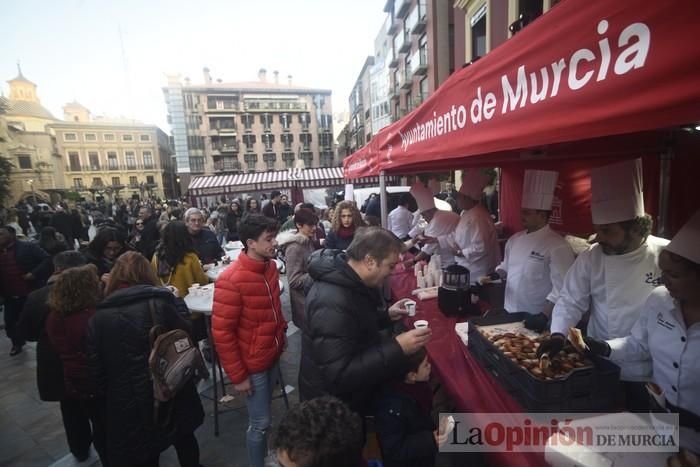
(494, 276)
(552, 346)
(597, 347)
(537, 323)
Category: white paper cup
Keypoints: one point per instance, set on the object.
(420, 324)
(410, 306)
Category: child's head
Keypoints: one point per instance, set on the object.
(417, 367)
(321, 432)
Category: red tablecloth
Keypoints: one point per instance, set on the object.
(471, 388)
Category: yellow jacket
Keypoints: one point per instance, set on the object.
(188, 272)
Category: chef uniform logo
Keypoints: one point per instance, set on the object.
(536, 255)
(650, 279)
(663, 323)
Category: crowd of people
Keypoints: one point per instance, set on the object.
(90, 286)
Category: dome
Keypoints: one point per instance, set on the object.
(28, 109)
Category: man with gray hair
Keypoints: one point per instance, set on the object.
(49, 368)
(204, 240)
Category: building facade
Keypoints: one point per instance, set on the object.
(360, 124)
(248, 127)
(117, 158)
(29, 143)
(482, 25)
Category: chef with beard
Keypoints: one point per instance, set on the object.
(613, 278)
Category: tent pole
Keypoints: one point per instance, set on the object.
(666, 158)
(383, 197)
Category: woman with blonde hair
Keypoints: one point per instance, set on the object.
(346, 220)
(119, 347)
(72, 300)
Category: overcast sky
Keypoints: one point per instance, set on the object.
(72, 48)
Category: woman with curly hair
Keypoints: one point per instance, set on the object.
(104, 249)
(175, 262)
(346, 219)
(251, 207)
(72, 301)
(118, 349)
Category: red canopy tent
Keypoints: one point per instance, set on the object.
(586, 83)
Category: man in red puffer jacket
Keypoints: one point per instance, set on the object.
(249, 329)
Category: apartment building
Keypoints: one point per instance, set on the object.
(254, 126)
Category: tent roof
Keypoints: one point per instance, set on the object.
(582, 71)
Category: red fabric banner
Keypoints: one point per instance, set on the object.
(583, 70)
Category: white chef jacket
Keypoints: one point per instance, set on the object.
(400, 221)
(418, 225)
(661, 336)
(535, 264)
(614, 288)
(441, 226)
(475, 237)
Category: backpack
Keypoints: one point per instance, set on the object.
(174, 361)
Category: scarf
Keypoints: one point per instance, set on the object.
(346, 232)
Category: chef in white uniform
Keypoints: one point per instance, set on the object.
(615, 276)
(440, 225)
(474, 241)
(537, 258)
(668, 332)
(400, 219)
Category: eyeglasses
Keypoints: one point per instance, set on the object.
(139, 223)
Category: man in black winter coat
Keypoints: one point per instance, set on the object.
(150, 234)
(348, 350)
(49, 367)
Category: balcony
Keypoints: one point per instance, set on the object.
(407, 82)
(393, 59)
(227, 148)
(109, 167)
(419, 62)
(228, 164)
(401, 8)
(393, 27)
(406, 44)
(399, 41)
(421, 22)
(394, 92)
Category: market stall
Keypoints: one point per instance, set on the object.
(586, 82)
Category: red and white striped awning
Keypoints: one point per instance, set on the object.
(276, 179)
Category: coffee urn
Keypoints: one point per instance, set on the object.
(455, 293)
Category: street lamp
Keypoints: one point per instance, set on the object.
(31, 185)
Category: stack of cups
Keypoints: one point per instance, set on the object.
(420, 280)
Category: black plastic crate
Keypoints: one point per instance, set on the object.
(584, 389)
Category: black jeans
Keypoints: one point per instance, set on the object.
(187, 449)
(84, 426)
(12, 311)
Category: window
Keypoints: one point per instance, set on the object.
(249, 141)
(78, 183)
(130, 159)
(266, 121)
(145, 138)
(288, 158)
(305, 141)
(115, 181)
(423, 89)
(197, 164)
(94, 157)
(247, 121)
(251, 160)
(287, 140)
(127, 137)
(270, 159)
(147, 160)
(108, 137)
(70, 137)
(305, 120)
(24, 161)
(409, 101)
(97, 182)
(325, 139)
(268, 140)
(133, 181)
(195, 142)
(150, 180)
(285, 121)
(112, 162)
(478, 24)
(90, 137)
(74, 161)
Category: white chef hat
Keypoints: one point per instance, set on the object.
(423, 196)
(473, 183)
(686, 242)
(349, 192)
(616, 192)
(538, 189)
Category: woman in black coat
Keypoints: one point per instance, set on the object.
(118, 349)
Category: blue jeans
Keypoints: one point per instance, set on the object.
(259, 417)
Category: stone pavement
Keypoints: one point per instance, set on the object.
(31, 431)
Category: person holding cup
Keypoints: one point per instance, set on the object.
(345, 352)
